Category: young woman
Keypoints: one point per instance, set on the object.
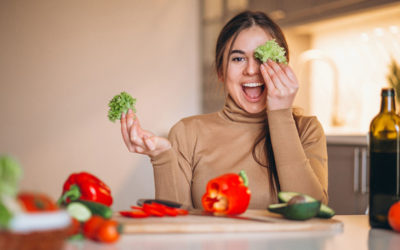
(256, 131)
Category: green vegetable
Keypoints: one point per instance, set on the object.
(10, 174)
(97, 208)
(5, 216)
(279, 208)
(120, 103)
(297, 208)
(324, 212)
(79, 211)
(270, 50)
(302, 211)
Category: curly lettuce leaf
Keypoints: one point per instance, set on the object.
(10, 174)
(270, 50)
(120, 103)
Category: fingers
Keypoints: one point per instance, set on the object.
(149, 143)
(279, 78)
(124, 132)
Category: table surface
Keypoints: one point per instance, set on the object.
(356, 234)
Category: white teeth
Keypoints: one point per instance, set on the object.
(252, 84)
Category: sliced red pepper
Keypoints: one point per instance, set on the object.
(153, 210)
(85, 186)
(182, 211)
(227, 194)
(170, 211)
(134, 214)
(137, 207)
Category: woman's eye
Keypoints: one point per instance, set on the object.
(238, 59)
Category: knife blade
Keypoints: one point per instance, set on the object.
(200, 212)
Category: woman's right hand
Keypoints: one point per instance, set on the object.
(138, 140)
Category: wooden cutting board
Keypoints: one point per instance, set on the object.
(208, 224)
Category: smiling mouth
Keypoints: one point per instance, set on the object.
(253, 91)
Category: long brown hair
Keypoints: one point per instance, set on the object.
(230, 32)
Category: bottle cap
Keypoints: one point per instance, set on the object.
(387, 92)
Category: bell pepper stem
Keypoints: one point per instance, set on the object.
(73, 193)
(243, 175)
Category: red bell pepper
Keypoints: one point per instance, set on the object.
(85, 186)
(227, 194)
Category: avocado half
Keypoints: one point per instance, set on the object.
(297, 211)
(324, 211)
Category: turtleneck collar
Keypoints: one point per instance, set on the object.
(233, 112)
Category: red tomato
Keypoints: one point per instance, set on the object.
(394, 216)
(92, 225)
(75, 227)
(36, 202)
(134, 214)
(108, 231)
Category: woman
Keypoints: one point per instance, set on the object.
(256, 131)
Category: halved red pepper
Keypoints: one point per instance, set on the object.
(227, 194)
(85, 186)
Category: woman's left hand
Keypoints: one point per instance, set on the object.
(281, 85)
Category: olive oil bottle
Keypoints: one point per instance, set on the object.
(384, 155)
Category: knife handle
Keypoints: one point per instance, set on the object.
(140, 202)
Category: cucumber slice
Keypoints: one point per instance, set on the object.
(324, 212)
(79, 211)
(97, 208)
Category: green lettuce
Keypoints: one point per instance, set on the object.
(270, 50)
(120, 103)
(10, 174)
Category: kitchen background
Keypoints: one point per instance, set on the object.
(61, 62)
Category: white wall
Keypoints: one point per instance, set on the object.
(60, 64)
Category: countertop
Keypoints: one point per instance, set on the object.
(356, 234)
(347, 140)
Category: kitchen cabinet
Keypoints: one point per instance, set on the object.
(348, 176)
(289, 13)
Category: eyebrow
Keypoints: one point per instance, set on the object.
(237, 51)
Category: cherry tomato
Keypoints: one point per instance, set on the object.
(91, 226)
(36, 202)
(394, 216)
(108, 231)
(134, 214)
(75, 227)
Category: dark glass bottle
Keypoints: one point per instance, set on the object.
(384, 153)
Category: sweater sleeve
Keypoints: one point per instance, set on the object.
(300, 154)
(172, 169)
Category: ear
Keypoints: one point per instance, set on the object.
(221, 77)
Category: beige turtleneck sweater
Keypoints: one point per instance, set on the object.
(206, 146)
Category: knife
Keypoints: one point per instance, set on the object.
(199, 212)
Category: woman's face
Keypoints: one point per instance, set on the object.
(242, 78)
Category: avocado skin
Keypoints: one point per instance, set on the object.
(279, 208)
(302, 211)
(324, 212)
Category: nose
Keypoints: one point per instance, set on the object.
(252, 67)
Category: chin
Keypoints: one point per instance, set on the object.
(253, 108)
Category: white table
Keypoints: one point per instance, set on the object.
(357, 235)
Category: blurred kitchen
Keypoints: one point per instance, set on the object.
(61, 62)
